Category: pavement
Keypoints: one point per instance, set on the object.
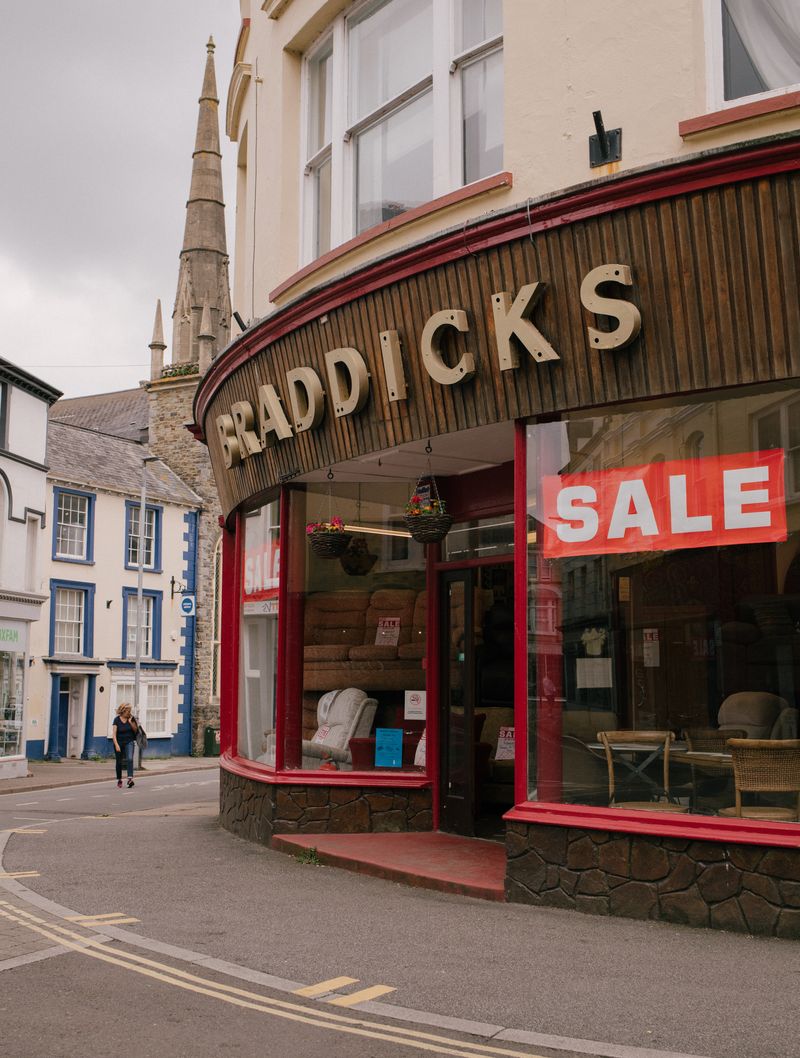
(49, 775)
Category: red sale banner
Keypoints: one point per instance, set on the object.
(261, 571)
(718, 500)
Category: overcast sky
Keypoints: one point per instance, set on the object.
(97, 125)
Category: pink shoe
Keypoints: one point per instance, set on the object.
(119, 784)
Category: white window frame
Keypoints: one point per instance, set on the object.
(444, 83)
(149, 607)
(715, 66)
(132, 540)
(63, 495)
(146, 681)
(81, 594)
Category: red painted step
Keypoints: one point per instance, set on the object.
(451, 864)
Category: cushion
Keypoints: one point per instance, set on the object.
(772, 618)
(368, 653)
(739, 632)
(411, 651)
(326, 653)
(390, 602)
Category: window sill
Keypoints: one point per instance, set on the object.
(731, 115)
(659, 824)
(74, 561)
(265, 773)
(498, 182)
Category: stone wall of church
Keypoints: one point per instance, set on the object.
(170, 409)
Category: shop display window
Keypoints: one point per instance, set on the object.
(356, 633)
(259, 634)
(12, 672)
(664, 607)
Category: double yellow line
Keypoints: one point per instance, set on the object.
(280, 1008)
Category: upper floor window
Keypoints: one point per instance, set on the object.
(760, 46)
(71, 618)
(150, 641)
(151, 542)
(404, 102)
(73, 526)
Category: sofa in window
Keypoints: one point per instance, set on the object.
(341, 629)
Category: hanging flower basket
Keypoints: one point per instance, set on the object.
(358, 560)
(426, 514)
(328, 539)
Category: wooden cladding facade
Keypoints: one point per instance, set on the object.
(715, 277)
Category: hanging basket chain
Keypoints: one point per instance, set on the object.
(431, 525)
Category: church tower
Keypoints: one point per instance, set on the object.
(200, 330)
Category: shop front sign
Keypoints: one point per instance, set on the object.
(250, 427)
(663, 506)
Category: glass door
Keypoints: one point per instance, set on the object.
(458, 641)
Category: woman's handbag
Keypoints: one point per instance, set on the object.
(141, 736)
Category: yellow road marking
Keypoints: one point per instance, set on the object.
(19, 874)
(325, 986)
(362, 996)
(263, 1004)
(111, 919)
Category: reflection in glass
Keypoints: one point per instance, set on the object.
(482, 89)
(259, 634)
(391, 49)
(699, 636)
(322, 197)
(357, 636)
(480, 20)
(395, 164)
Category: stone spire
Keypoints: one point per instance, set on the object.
(157, 345)
(203, 274)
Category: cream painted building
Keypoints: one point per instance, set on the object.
(535, 263)
(24, 402)
(363, 127)
(84, 648)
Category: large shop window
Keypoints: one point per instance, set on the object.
(356, 635)
(259, 634)
(420, 112)
(12, 675)
(664, 607)
(760, 46)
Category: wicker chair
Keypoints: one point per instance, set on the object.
(610, 739)
(765, 765)
(710, 739)
(710, 780)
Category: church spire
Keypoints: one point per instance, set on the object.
(157, 345)
(203, 275)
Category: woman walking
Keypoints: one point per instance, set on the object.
(124, 734)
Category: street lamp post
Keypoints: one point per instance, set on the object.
(137, 665)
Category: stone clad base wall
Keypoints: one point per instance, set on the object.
(256, 810)
(746, 888)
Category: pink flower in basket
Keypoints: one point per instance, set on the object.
(335, 525)
(418, 505)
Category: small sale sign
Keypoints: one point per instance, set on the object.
(709, 502)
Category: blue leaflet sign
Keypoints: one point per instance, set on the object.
(388, 747)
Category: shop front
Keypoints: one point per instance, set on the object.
(597, 659)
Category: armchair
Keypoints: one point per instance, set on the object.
(341, 715)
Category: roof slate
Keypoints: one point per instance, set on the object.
(90, 459)
(122, 414)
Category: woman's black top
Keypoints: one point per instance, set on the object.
(125, 732)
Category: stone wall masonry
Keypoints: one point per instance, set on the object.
(745, 888)
(257, 811)
(170, 402)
